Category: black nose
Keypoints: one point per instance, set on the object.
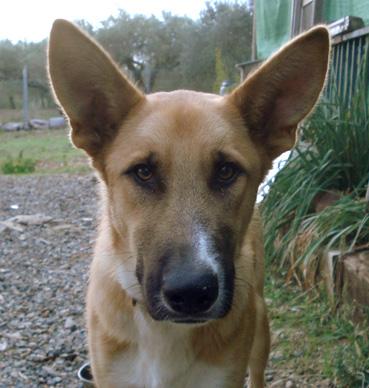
(190, 293)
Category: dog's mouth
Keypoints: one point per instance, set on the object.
(191, 321)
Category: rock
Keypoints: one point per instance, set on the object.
(10, 225)
(65, 227)
(39, 123)
(12, 126)
(269, 376)
(278, 384)
(50, 371)
(290, 384)
(14, 336)
(3, 345)
(32, 219)
(57, 122)
(70, 323)
(276, 356)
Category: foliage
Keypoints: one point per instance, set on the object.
(336, 159)
(164, 53)
(13, 57)
(18, 165)
(312, 339)
(223, 25)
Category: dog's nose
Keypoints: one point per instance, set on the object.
(190, 294)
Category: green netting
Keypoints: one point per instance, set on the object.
(273, 25)
(334, 10)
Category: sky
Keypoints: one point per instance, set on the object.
(31, 20)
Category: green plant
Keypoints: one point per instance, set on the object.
(351, 360)
(344, 224)
(313, 340)
(18, 165)
(333, 156)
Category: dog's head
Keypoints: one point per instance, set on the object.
(181, 169)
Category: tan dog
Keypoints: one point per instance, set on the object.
(176, 290)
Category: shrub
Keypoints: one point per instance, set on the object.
(18, 165)
(332, 156)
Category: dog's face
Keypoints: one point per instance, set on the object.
(178, 181)
(181, 169)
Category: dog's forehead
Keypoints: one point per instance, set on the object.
(173, 119)
(181, 125)
(184, 114)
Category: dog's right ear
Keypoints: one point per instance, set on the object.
(93, 92)
(274, 99)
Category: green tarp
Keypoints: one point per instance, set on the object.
(273, 25)
(273, 20)
(334, 9)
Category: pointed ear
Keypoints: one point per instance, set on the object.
(274, 99)
(93, 92)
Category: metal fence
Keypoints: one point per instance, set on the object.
(349, 66)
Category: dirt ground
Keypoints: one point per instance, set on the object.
(43, 276)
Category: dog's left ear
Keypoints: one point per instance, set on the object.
(284, 90)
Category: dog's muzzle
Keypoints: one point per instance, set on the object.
(188, 292)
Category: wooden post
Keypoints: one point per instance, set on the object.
(25, 99)
(253, 41)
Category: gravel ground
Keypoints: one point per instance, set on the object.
(43, 276)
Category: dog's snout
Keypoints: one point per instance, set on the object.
(191, 294)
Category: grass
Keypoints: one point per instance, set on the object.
(49, 151)
(18, 165)
(313, 341)
(333, 156)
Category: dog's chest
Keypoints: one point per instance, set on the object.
(163, 358)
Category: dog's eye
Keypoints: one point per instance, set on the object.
(143, 172)
(227, 173)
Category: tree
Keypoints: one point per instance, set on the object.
(223, 25)
(220, 71)
(159, 54)
(145, 46)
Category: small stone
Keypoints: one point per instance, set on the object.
(57, 380)
(14, 336)
(276, 356)
(3, 345)
(10, 225)
(50, 371)
(290, 384)
(70, 323)
(32, 219)
(269, 378)
(278, 384)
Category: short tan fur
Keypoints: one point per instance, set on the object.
(175, 296)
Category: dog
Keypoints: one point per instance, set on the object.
(175, 296)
